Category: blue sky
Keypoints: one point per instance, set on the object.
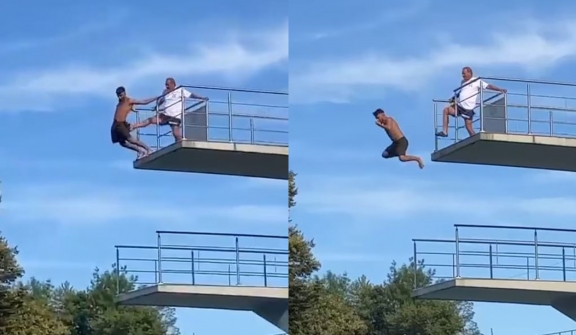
(351, 59)
(69, 194)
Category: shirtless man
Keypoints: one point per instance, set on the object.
(399, 142)
(170, 109)
(120, 130)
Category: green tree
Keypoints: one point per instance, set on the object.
(93, 311)
(313, 309)
(20, 312)
(388, 308)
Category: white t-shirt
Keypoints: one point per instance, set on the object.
(470, 93)
(172, 104)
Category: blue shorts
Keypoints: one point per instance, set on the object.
(466, 114)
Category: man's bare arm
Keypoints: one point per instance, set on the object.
(382, 125)
(142, 102)
(196, 96)
(496, 88)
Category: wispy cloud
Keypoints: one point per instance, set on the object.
(405, 198)
(530, 46)
(81, 204)
(97, 25)
(235, 58)
(403, 12)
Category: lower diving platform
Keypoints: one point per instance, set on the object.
(236, 159)
(235, 272)
(268, 302)
(527, 270)
(531, 125)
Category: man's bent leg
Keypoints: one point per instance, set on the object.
(130, 146)
(410, 158)
(145, 123)
(140, 144)
(469, 127)
(176, 132)
(446, 113)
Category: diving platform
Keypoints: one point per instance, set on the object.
(533, 125)
(235, 159)
(536, 270)
(237, 272)
(236, 132)
(270, 303)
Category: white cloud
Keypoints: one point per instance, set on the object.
(111, 19)
(92, 204)
(531, 46)
(403, 12)
(235, 58)
(411, 198)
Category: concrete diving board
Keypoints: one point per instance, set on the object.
(532, 125)
(527, 151)
(269, 303)
(237, 159)
(560, 295)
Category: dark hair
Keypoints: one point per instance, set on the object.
(378, 112)
(120, 90)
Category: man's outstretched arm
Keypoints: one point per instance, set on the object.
(142, 102)
(496, 88)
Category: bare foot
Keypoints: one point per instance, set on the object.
(420, 164)
(141, 154)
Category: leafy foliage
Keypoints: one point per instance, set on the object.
(40, 308)
(334, 304)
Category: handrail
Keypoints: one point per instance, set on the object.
(247, 259)
(222, 118)
(534, 257)
(519, 111)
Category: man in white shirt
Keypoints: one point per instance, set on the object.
(468, 99)
(170, 107)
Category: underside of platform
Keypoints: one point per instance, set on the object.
(560, 295)
(527, 151)
(247, 160)
(268, 302)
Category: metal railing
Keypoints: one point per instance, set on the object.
(230, 115)
(532, 107)
(220, 259)
(566, 332)
(544, 254)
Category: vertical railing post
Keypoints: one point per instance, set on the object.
(551, 120)
(435, 108)
(527, 268)
(415, 255)
(506, 113)
(155, 271)
(193, 270)
(182, 114)
(265, 271)
(237, 262)
(563, 264)
(491, 266)
(529, 106)
(229, 276)
(456, 118)
(251, 131)
(537, 274)
(457, 239)
(481, 107)
(230, 117)
(117, 270)
(159, 259)
(157, 126)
